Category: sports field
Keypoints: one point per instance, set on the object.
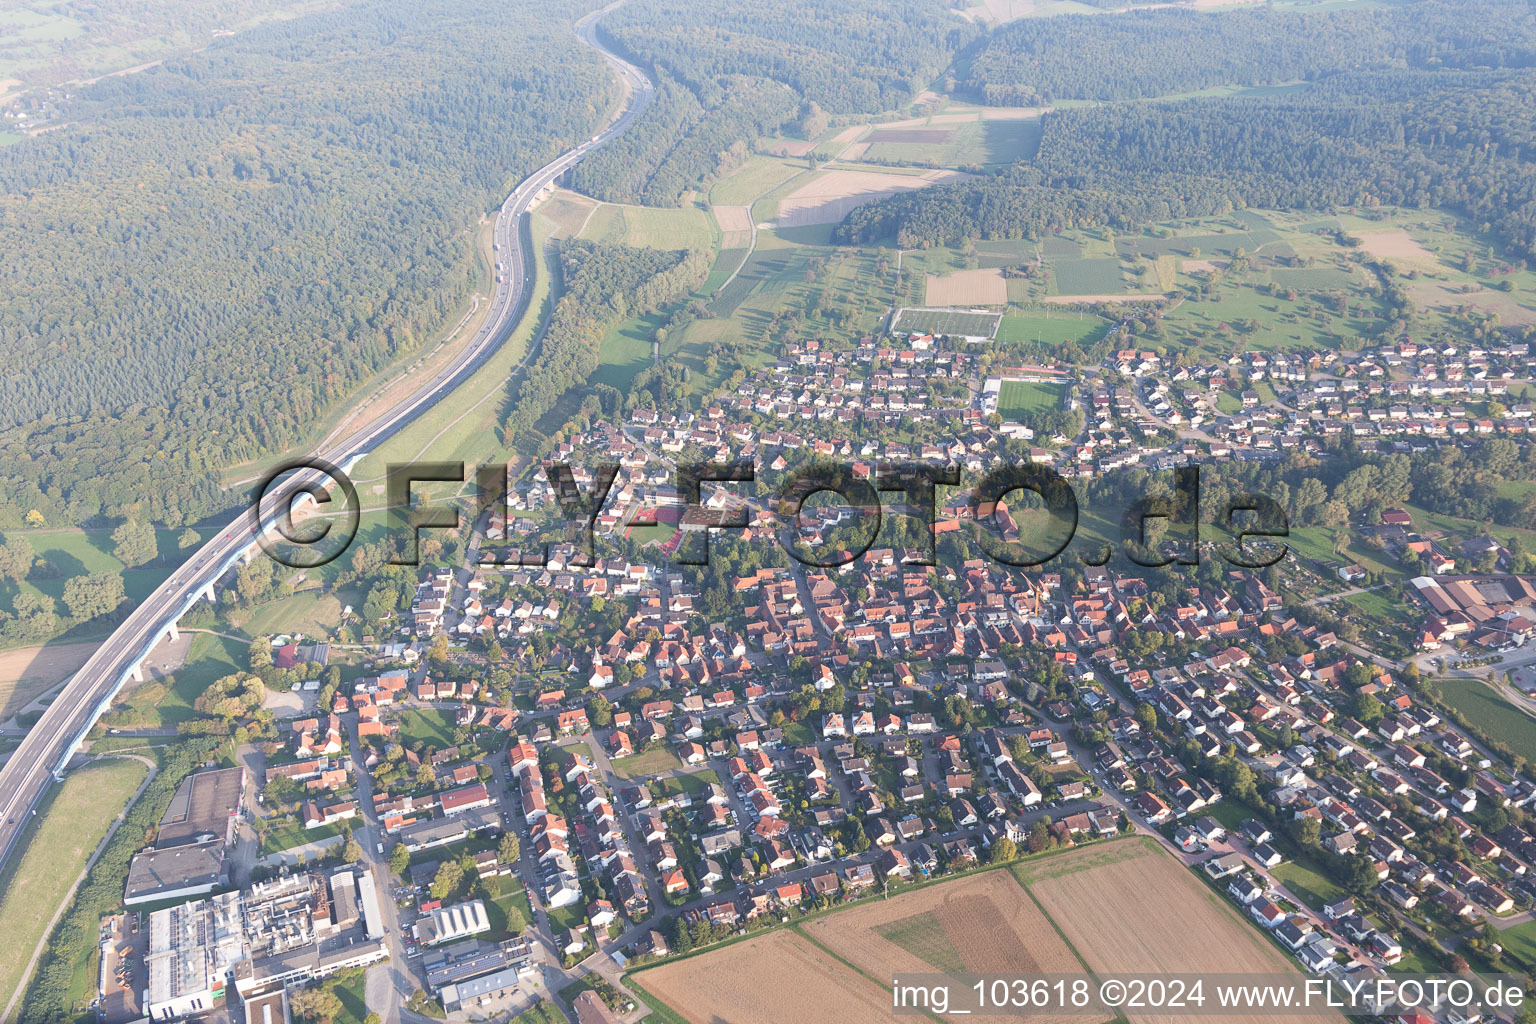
(1052, 328)
(946, 321)
(1027, 398)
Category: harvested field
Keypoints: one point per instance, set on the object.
(827, 198)
(773, 978)
(792, 147)
(855, 151)
(981, 924)
(735, 226)
(28, 671)
(847, 135)
(1123, 906)
(1202, 266)
(733, 218)
(1398, 246)
(984, 287)
(1130, 907)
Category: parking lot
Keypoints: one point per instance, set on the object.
(122, 969)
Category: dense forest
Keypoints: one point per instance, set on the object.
(1168, 51)
(1462, 140)
(602, 285)
(225, 246)
(731, 72)
(49, 42)
(683, 140)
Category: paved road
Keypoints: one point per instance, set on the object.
(47, 748)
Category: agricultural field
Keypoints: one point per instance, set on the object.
(946, 321)
(1092, 276)
(46, 43)
(1122, 905)
(1027, 398)
(830, 194)
(1129, 906)
(54, 857)
(1490, 712)
(735, 224)
(980, 924)
(981, 287)
(756, 177)
(568, 211)
(1302, 281)
(954, 137)
(27, 672)
(745, 983)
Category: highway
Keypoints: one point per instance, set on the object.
(52, 741)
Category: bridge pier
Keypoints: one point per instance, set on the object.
(248, 555)
(137, 672)
(172, 633)
(208, 593)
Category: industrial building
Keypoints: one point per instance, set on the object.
(194, 835)
(286, 931)
(449, 924)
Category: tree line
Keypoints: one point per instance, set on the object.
(603, 284)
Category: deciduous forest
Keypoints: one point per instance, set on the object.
(1459, 139)
(220, 249)
(731, 72)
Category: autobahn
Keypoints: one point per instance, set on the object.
(47, 748)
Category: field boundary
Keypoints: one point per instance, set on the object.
(911, 887)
